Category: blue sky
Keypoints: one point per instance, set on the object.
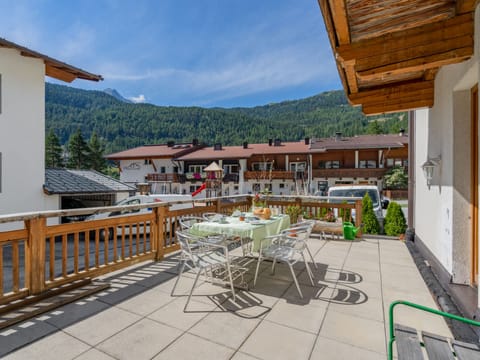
(206, 53)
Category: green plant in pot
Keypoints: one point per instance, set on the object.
(294, 212)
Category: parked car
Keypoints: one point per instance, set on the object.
(359, 191)
(73, 203)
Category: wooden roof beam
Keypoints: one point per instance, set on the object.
(339, 17)
(419, 64)
(396, 98)
(368, 109)
(424, 35)
(392, 91)
(59, 73)
(325, 9)
(350, 74)
(464, 6)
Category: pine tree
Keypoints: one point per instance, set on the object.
(370, 221)
(395, 223)
(78, 154)
(374, 128)
(96, 150)
(53, 151)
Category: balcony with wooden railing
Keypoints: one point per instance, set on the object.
(38, 257)
(269, 175)
(349, 173)
(173, 177)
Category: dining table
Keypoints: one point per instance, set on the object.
(246, 226)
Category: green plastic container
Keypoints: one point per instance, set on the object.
(349, 231)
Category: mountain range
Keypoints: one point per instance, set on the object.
(122, 125)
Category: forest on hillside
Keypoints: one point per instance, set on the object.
(120, 125)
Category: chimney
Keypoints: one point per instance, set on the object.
(338, 136)
(277, 142)
(217, 147)
(307, 141)
(195, 142)
(245, 145)
(402, 132)
(170, 143)
(270, 142)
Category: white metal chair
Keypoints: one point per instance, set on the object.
(212, 216)
(287, 249)
(186, 222)
(212, 260)
(304, 225)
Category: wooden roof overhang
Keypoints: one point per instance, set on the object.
(53, 68)
(389, 51)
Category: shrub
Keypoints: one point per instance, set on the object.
(369, 220)
(396, 178)
(344, 213)
(395, 223)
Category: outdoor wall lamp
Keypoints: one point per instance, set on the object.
(428, 168)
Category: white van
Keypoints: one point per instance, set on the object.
(359, 191)
(146, 199)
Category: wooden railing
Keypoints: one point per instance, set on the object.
(39, 257)
(173, 177)
(269, 175)
(349, 172)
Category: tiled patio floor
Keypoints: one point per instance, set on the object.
(344, 316)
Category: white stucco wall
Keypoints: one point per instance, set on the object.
(134, 171)
(442, 213)
(22, 129)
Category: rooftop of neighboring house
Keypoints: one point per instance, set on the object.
(247, 150)
(339, 142)
(190, 152)
(67, 181)
(53, 68)
(165, 151)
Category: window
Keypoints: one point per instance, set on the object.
(396, 162)
(230, 169)
(298, 166)
(147, 162)
(281, 186)
(196, 168)
(364, 164)
(262, 166)
(330, 164)
(175, 169)
(162, 169)
(256, 187)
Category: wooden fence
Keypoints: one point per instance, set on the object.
(39, 257)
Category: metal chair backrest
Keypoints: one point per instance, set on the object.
(187, 245)
(186, 222)
(212, 216)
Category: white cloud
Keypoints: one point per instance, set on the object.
(138, 99)
(270, 70)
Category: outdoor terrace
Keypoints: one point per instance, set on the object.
(345, 312)
(136, 317)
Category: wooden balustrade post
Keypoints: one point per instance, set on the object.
(358, 216)
(218, 204)
(35, 268)
(160, 218)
